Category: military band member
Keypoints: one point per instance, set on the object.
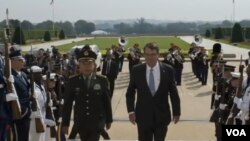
(203, 65)
(21, 126)
(109, 70)
(134, 56)
(178, 60)
(91, 94)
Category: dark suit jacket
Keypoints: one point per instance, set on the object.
(153, 109)
(22, 88)
(112, 73)
(92, 106)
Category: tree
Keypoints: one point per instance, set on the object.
(89, 27)
(122, 28)
(79, 26)
(27, 25)
(18, 36)
(237, 35)
(208, 33)
(247, 34)
(61, 35)
(47, 36)
(218, 33)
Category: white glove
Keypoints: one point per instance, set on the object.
(11, 79)
(62, 102)
(239, 103)
(223, 106)
(49, 122)
(217, 97)
(11, 97)
(50, 104)
(236, 100)
(36, 114)
(60, 119)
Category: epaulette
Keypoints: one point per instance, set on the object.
(101, 76)
(72, 76)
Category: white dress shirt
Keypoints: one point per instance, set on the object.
(156, 73)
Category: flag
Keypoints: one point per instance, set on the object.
(52, 1)
(7, 11)
(233, 1)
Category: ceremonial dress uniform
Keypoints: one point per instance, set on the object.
(91, 94)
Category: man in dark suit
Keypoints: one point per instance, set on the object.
(154, 82)
(92, 109)
(21, 126)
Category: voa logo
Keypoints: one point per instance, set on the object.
(236, 132)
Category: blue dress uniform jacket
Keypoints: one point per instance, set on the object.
(92, 105)
(5, 117)
(22, 88)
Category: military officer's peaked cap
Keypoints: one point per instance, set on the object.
(86, 54)
(229, 68)
(15, 53)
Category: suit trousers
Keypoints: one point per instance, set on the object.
(89, 135)
(3, 130)
(112, 86)
(21, 130)
(149, 133)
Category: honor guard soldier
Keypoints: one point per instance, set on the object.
(247, 61)
(5, 117)
(223, 92)
(21, 126)
(91, 94)
(243, 102)
(214, 65)
(42, 101)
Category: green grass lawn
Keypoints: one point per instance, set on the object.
(245, 44)
(106, 42)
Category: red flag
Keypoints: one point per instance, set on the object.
(52, 1)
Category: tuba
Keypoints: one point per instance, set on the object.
(198, 39)
(123, 41)
(177, 56)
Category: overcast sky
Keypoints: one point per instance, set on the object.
(175, 10)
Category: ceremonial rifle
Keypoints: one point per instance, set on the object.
(15, 105)
(49, 111)
(34, 105)
(235, 110)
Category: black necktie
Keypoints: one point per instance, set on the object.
(86, 82)
(108, 67)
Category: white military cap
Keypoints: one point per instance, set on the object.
(36, 69)
(52, 76)
(235, 74)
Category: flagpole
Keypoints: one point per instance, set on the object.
(233, 11)
(53, 16)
